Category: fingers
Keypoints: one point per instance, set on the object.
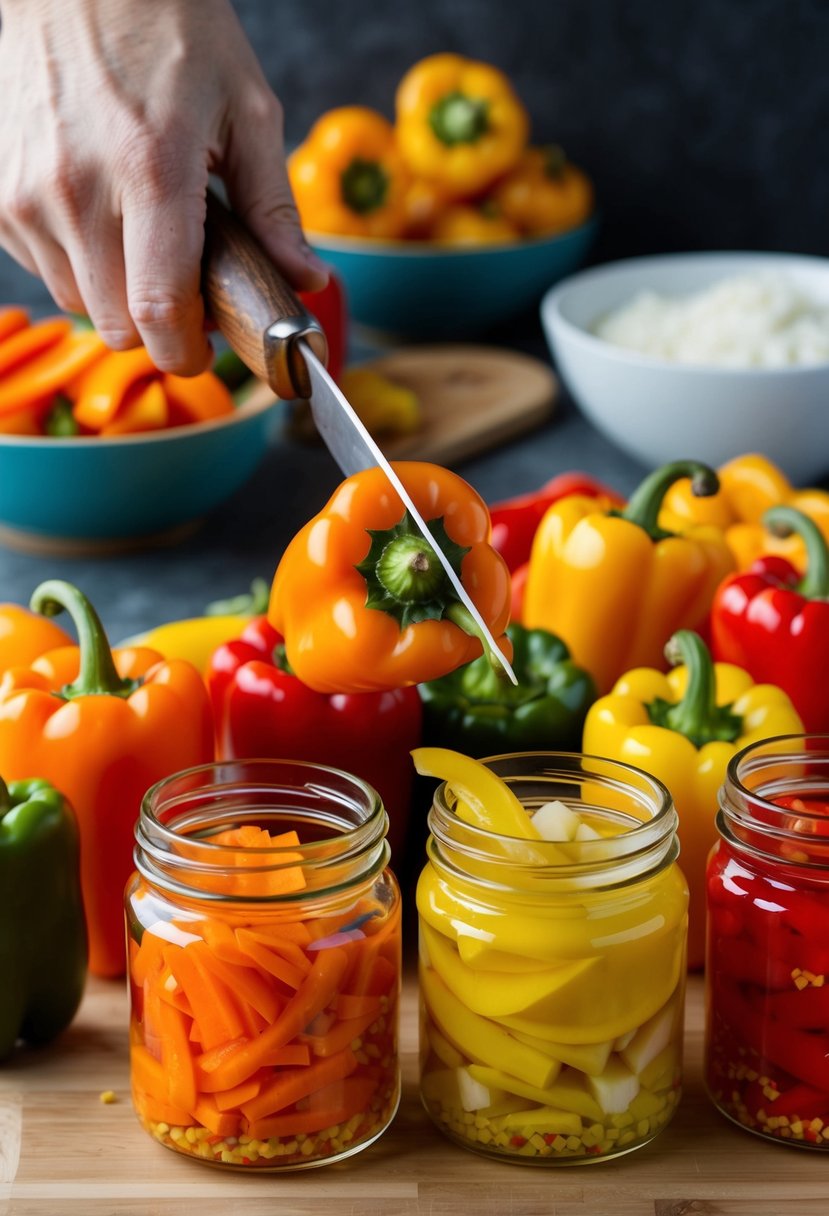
(257, 183)
(163, 234)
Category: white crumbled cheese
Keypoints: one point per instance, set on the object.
(748, 320)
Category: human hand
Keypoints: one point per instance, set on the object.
(114, 114)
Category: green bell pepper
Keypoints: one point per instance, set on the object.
(42, 927)
(472, 710)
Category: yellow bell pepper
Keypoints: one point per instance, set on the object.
(749, 486)
(614, 585)
(683, 728)
(195, 638)
(385, 407)
(459, 123)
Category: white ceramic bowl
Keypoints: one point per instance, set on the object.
(658, 411)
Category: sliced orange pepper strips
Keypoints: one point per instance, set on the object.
(12, 320)
(143, 410)
(25, 422)
(48, 372)
(197, 398)
(101, 393)
(26, 343)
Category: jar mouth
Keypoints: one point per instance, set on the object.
(790, 767)
(339, 822)
(635, 806)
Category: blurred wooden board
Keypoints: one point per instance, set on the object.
(473, 398)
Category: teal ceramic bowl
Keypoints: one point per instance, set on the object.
(413, 289)
(98, 494)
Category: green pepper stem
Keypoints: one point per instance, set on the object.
(459, 615)
(458, 119)
(250, 603)
(697, 715)
(96, 675)
(364, 186)
(646, 501)
(782, 521)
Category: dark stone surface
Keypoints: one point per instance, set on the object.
(703, 124)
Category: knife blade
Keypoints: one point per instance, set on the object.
(274, 334)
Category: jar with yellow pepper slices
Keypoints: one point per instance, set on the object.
(545, 193)
(459, 123)
(749, 486)
(348, 176)
(684, 727)
(614, 584)
(363, 602)
(552, 922)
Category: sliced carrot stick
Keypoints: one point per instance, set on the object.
(232, 1099)
(288, 949)
(290, 1055)
(222, 942)
(290, 1086)
(248, 985)
(354, 1095)
(157, 1110)
(212, 1004)
(220, 1122)
(12, 320)
(270, 961)
(177, 1058)
(341, 1035)
(49, 371)
(315, 992)
(170, 991)
(210, 1060)
(144, 408)
(197, 398)
(283, 931)
(30, 341)
(146, 1071)
(353, 1006)
(102, 390)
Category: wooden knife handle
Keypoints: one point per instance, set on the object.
(254, 307)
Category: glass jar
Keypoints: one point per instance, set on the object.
(552, 975)
(263, 930)
(767, 970)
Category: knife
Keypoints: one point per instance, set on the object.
(274, 335)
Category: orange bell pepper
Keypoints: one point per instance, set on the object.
(348, 176)
(24, 635)
(100, 393)
(125, 721)
(362, 602)
(38, 378)
(749, 486)
(545, 193)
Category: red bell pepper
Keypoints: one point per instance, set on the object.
(515, 520)
(775, 623)
(262, 709)
(330, 308)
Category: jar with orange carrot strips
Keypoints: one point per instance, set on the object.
(264, 938)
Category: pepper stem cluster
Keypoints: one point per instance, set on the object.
(97, 675)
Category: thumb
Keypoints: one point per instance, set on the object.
(256, 179)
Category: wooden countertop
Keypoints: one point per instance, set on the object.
(65, 1153)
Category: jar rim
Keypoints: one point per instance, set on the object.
(354, 849)
(639, 849)
(750, 818)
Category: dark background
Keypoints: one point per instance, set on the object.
(703, 122)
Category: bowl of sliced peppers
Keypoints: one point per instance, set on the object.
(99, 449)
(425, 216)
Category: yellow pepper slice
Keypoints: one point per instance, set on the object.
(483, 799)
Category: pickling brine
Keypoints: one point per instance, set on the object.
(767, 972)
(264, 962)
(552, 963)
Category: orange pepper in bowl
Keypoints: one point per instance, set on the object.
(545, 193)
(348, 176)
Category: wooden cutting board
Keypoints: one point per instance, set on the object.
(473, 398)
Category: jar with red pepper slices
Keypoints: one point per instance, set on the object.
(767, 974)
(263, 929)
